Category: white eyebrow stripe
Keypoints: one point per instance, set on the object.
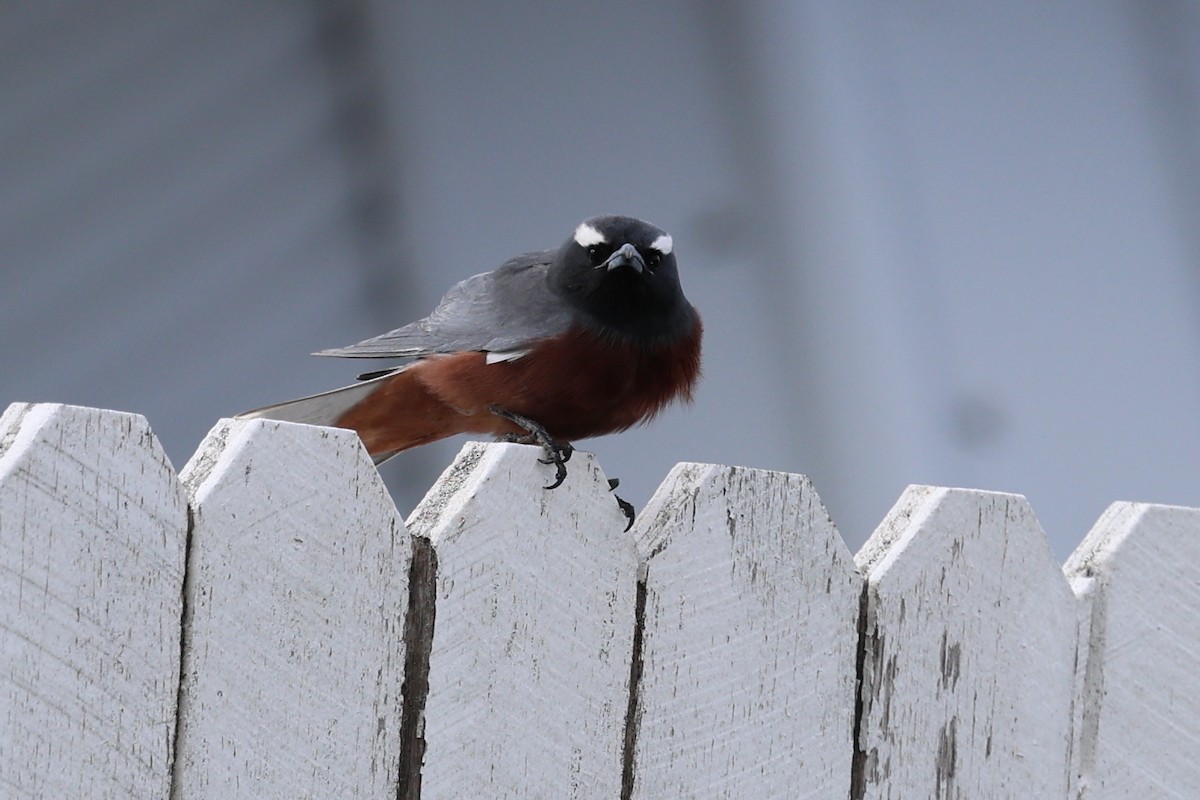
(586, 235)
(663, 244)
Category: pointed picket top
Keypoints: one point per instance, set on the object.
(749, 640)
(293, 640)
(93, 525)
(528, 664)
(964, 580)
(1139, 571)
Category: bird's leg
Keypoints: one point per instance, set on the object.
(625, 506)
(557, 453)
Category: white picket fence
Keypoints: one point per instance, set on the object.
(265, 625)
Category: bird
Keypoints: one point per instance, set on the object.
(551, 347)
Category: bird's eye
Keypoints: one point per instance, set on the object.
(653, 258)
(596, 254)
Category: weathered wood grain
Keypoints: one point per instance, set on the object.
(535, 658)
(530, 652)
(93, 524)
(1139, 572)
(749, 640)
(293, 638)
(970, 636)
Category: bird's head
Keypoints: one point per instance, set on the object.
(620, 273)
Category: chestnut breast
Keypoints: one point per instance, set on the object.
(576, 386)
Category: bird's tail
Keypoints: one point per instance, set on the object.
(318, 409)
(390, 411)
(326, 409)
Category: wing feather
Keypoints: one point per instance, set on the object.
(502, 310)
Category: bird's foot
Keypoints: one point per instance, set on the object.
(625, 506)
(557, 453)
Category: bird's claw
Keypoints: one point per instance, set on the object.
(625, 506)
(557, 453)
(558, 457)
(626, 509)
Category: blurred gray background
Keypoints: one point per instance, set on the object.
(932, 242)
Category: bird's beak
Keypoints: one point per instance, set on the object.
(626, 256)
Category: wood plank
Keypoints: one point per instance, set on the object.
(968, 671)
(93, 525)
(1139, 570)
(297, 591)
(749, 640)
(530, 651)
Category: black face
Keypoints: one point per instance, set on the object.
(620, 273)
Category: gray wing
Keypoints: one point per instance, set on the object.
(497, 311)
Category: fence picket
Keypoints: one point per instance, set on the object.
(264, 626)
(970, 637)
(293, 640)
(92, 529)
(529, 658)
(749, 639)
(1140, 569)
